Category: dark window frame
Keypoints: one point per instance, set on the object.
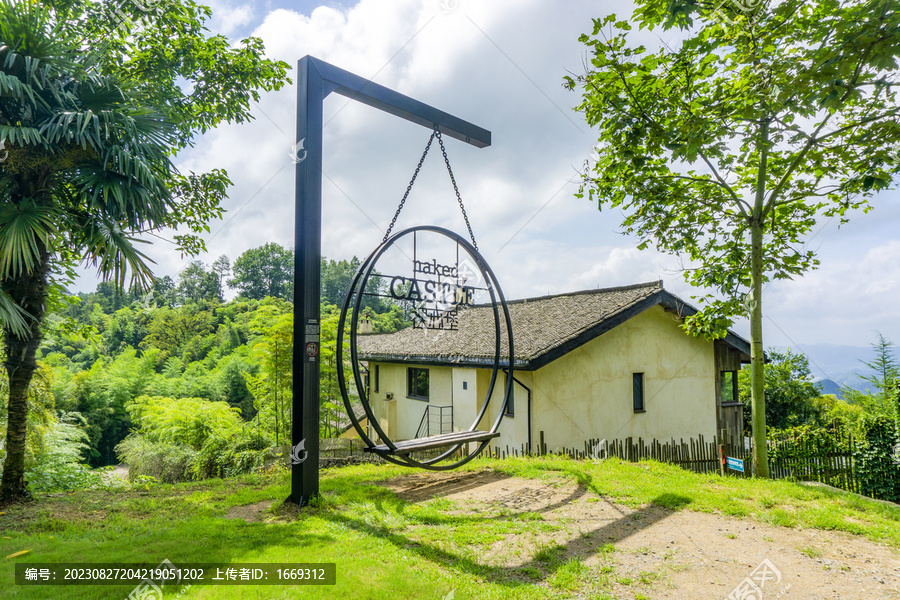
(511, 406)
(733, 376)
(413, 383)
(637, 392)
(377, 373)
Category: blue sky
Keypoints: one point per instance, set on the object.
(500, 65)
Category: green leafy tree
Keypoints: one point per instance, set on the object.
(337, 275)
(171, 329)
(112, 298)
(88, 163)
(849, 415)
(729, 146)
(272, 387)
(336, 278)
(101, 395)
(264, 271)
(92, 110)
(222, 268)
(884, 377)
(331, 405)
(792, 399)
(196, 284)
(164, 292)
(127, 328)
(234, 386)
(200, 80)
(393, 319)
(187, 421)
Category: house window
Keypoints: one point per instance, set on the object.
(729, 387)
(510, 406)
(417, 383)
(376, 378)
(637, 386)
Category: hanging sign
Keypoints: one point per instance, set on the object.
(437, 291)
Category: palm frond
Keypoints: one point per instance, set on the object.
(112, 252)
(13, 317)
(99, 94)
(73, 126)
(121, 198)
(12, 87)
(22, 135)
(23, 229)
(27, 29)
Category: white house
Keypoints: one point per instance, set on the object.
(597, 364)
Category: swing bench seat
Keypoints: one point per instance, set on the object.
(434, 441)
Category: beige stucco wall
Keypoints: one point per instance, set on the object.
(513, 429)
(585, 394)
(588, 392)
(401, 416)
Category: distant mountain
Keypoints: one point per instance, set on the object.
(835, 366)
(853, 379)
(827, 386)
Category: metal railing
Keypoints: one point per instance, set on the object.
(435, 420)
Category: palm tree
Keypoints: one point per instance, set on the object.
(87, 167)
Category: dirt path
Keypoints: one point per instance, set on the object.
(120, 471)
(661, 553)
(117, 472)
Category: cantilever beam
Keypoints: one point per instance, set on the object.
(315, 80)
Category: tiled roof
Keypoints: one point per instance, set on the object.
(342, 421)
(543, 328)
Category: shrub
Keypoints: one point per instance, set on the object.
(180, 439)
(167, 463)
(807, 442)
(227, 457)
(172, 463)
(877, 469)
(59, 468)
(183, 421)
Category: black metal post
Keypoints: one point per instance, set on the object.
(315, 80)
(307, 278)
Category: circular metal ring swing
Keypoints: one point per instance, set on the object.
(357, 287)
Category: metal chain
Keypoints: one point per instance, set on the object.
(434, 134)
(455, 189)
(408, 188)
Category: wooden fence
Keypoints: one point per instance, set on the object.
(330, 448)
(790, 458)
(698, 455)
(799, 459)
(806, 460)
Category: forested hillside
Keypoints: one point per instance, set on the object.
(181, 384)
(179, 365)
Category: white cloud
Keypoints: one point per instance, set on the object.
(228, 17)
(500, 65)
(845, 300)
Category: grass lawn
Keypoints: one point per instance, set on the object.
(385, 547)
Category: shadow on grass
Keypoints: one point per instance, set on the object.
(541, 566)
(172, 523)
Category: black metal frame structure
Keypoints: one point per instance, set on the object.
(401, 452)
(316, 79)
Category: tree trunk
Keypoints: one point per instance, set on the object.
(29, 291)
(757, 357)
